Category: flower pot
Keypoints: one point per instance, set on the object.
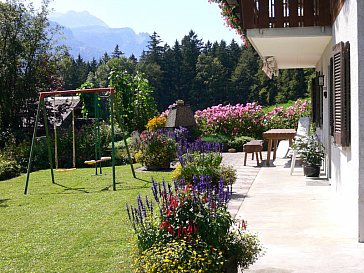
(311, 170)
(230, 266)
(158, 167)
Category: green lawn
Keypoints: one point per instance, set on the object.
(76, 225)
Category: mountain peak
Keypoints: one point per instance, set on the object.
(74, 19)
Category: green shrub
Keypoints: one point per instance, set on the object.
(196, 164)
(218, 138)
(228, 173)
(238, 142)
(242, 247)
(9, 168)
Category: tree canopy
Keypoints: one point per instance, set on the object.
(28, 59)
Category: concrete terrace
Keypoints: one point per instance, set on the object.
(297, 219)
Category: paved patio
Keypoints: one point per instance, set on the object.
(297, 220)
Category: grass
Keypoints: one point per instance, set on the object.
(78, 224)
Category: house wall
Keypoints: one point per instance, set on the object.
(346, 167)
(360, 69)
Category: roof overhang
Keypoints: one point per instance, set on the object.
(299, 47)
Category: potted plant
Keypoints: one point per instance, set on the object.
(312, 153)
(157, 150)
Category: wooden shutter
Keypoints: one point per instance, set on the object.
(331, 98)
(316, 102)
(341, 92)
(346, 99)
(313, 101)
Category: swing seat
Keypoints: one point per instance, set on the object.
(66, 170)
(93, 162)
(90, 162)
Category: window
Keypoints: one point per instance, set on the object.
(340, 93)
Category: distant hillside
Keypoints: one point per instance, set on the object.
(90, 37)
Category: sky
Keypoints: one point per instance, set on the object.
(171, 19)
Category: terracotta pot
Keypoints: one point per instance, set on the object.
(311, 170)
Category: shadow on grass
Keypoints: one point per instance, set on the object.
(120, 186)
(3, 203)
(72, 189)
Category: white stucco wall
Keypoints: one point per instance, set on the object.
(347, 164)
(360, 74)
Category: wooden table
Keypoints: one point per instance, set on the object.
(273, 135)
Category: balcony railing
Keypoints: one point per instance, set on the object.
(285, 13)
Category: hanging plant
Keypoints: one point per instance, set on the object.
(230, 14)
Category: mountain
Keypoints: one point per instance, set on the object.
(73, 19)
(90, 37)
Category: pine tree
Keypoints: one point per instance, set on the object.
(117, 53)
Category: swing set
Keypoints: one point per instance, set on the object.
(98, 158)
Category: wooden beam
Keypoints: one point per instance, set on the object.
(293, 13)
(308, 13)
(263, 14)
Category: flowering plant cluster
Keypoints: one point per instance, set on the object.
(239, 119)
(157, 122)
(157, 150)
(250, 119)
(230, 14)
(288, 118)
(195, 218)
(200, 158)
(197, 256)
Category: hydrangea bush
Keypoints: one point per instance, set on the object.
(250, 119)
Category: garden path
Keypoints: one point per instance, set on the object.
(300, 221)
(245, 178)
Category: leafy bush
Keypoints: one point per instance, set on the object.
(202, 159)
(311, 151)
(85, 147)
(217, 138)
(193, 166)
(238, 142)
(134, 102)
(9, 168)
(242, 247)
(157, 150)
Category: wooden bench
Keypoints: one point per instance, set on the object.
(253, 146)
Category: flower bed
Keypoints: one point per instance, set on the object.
(189, 230)
(187, 227)
(250, 119)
